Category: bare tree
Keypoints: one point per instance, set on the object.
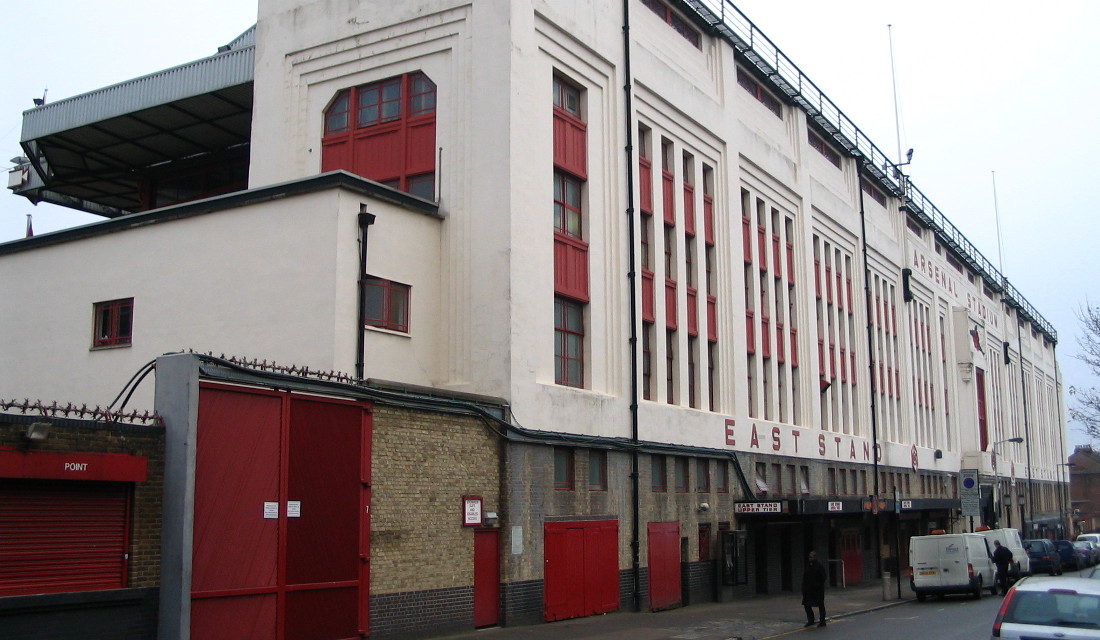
(1086, 409)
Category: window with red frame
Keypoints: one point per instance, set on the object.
(568, 342)
(386, 304)
(658, 474)
(597, 471)
(114, 323)
(567, 205)
(674, 20)
(563, 469)
(681, 469)
(385, 131)
(748, 83)
(702, 475)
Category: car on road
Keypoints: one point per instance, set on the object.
(1042, 607)
(1087, 551)
(1044, 557)
(1069, 556)
(1009, 537)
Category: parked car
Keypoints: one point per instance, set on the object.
(1044, 557)
(951, 563)
(1087, 551)
(1095, 548)
(1089, 537)
(1009, 537)
(1068, 555)
(1044, 607)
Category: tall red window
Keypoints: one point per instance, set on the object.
(114, 323)
(563, 469)
(386, 304)
(385, 131)
(568, 342)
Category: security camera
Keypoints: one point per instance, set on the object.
(704, 506)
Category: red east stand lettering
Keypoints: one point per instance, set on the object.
(777, 438)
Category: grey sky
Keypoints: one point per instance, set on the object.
(982, 87)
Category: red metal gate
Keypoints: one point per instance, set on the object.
(281, 533)
(486, 577)
(581, 568)
(664, 565)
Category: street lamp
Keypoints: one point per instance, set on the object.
(997, 479)
(1065, 497)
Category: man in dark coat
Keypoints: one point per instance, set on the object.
(813, 590)
(1002, 557)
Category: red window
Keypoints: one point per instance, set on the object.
(597, 471)
(568, 342)
(670, 367)
(385, 131)
(674, 20)
(567, 205)
(681, 469)
(114, 323)
(748, 83)
(721, 475)
(824, 148)
(386, 304)
(702, 475)
(658, 474)
(647, 361)
(563, 469)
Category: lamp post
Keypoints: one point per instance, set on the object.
(1065, 498)
(997, 479)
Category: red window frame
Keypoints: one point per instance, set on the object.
(682, 474)
(386, 304)
(568, 342)
(597, 470)
(702, 475)
(674, 20)
(564, 467)
(568, 209)
(385, 131)
(658, 474)
(748, 83)
(113, 323)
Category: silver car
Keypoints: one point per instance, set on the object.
(1044, 607)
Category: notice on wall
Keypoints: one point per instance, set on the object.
(293, 509)
(271, 510)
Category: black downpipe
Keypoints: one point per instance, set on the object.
(635, 530)
(365, 221)
(870, 365)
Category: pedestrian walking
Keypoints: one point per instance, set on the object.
(813, 590)
(1002, 557)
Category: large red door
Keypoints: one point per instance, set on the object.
(851, 552)
(664, 565)
(486, 577)
(581, 568)
(281, 533)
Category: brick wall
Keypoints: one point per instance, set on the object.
(422, 558)
(67, 435)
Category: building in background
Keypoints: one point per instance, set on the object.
(551, 346)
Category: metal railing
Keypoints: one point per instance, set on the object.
(728, 22)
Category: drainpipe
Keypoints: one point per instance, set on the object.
(635, 483)
(870, 365)
(365, 221)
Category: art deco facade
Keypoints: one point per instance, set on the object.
(679, 291)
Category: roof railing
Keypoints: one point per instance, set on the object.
(729, 22)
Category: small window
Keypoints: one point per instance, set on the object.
(748, 83)
(567, 97)
(658, 475)
(702, 475)
(563, 469)
(386, 304)
(567, 205)
(114, 323)
(674, 20)
(568, 342)
(721, 476)
(824, 148)
(597, 471)
(681, 475)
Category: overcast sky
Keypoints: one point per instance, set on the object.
(983, 87)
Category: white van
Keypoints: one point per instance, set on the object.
(1089, 537)
(1021, 562)
(951, 563)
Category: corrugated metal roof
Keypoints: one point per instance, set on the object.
(222, 70)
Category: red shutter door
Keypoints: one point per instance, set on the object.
(58, 536)
(664, 565)
(581, 568)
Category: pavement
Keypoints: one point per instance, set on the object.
(753, 618)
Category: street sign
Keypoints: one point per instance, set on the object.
(970, 492)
